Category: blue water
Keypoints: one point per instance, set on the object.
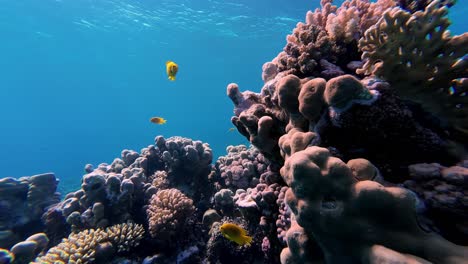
(80, 79)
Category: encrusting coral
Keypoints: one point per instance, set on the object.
(90, 244)
(417, 56)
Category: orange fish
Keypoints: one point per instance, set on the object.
(158, 120)
(235, 233)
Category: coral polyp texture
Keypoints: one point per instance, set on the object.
(89, 245)
(168, 213)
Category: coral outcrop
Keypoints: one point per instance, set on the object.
(22, 203)
(417, 55)
(116, 193)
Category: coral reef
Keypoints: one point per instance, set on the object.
(244, 167)
(358, 156)
(169, 212)
(325, 45)
(417, 56)
(94, 245)
(22, 203)
(443, 190)
(117, 193)
(348, 140)
(324, 196)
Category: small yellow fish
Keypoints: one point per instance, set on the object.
(232, 129)
(235, 233)
(171, 70)
(158, 120)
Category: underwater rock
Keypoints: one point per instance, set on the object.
(22, 203)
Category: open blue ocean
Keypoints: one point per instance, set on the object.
(81, 79)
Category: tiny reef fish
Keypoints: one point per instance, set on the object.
(171, 70)
(235, 233)
(158, 120)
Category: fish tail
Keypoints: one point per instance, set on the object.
(172, 78)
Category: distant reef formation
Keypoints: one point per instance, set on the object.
(358, 155)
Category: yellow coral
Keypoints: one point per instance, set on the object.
(81, 247)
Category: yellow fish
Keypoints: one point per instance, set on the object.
(171, 70)
(158, 120)
(235, 233)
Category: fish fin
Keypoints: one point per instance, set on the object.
(243, 232)
(247, 240)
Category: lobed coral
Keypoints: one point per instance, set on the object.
(90, 244)
(335, 208)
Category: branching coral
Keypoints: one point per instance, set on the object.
(168, 212)
(87, 245)
(417, 56)
(326, 44)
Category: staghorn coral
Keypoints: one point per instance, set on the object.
(417, 56)
(168, 213)
(334, 208)
(89, 245)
